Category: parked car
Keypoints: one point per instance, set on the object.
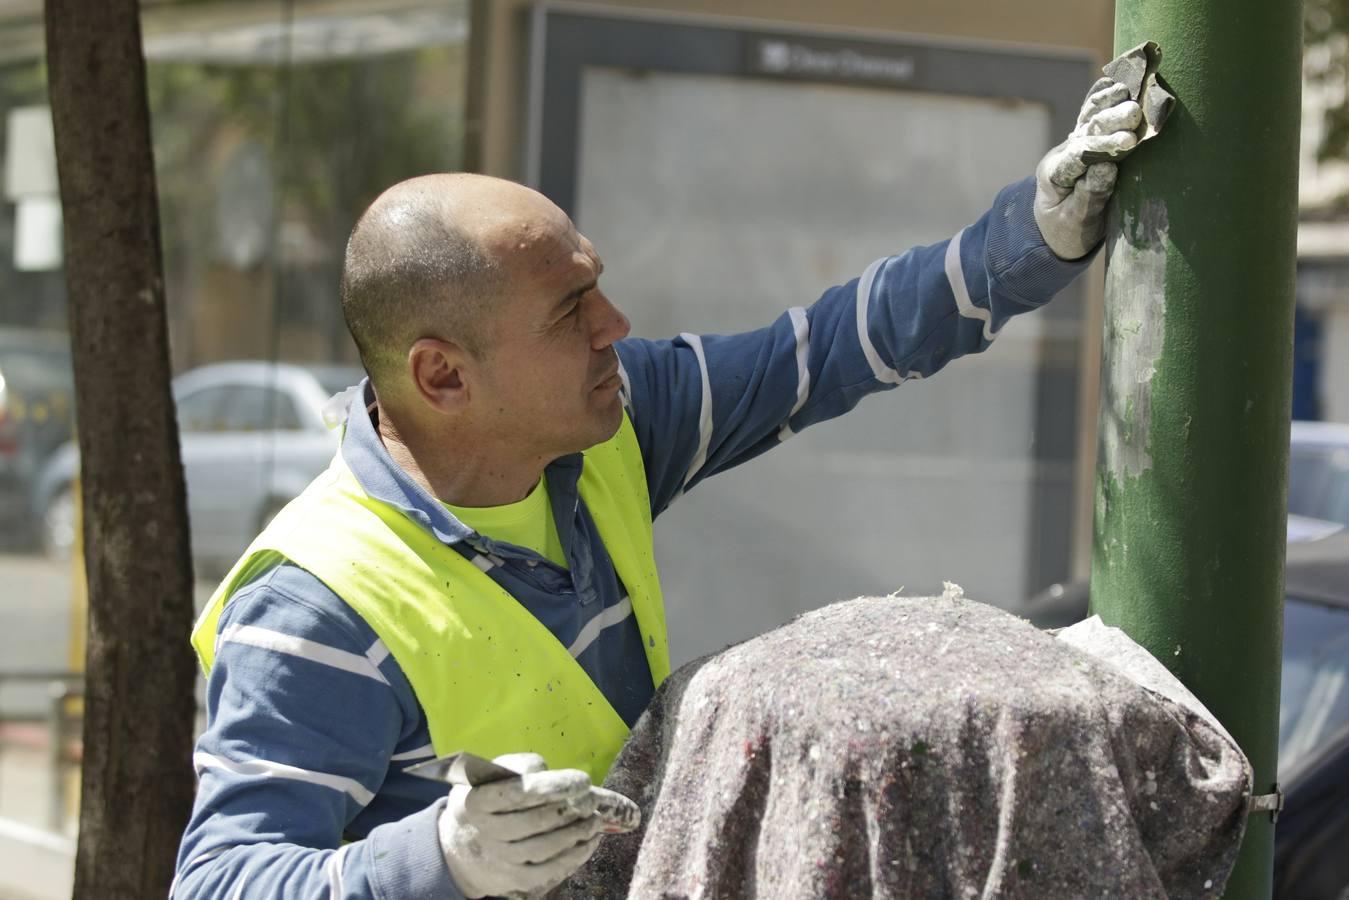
(252, 437)
(1318, 471)
(1310, 862)
(36, 412)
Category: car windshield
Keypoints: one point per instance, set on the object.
(1315, 686)
(1318, 483)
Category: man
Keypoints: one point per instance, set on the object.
(475, 570)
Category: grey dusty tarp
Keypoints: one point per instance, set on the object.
(924, 747)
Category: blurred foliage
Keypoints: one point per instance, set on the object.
(329, 136)
(1326, 65)
(262, 169)
(23, 85)
(336, 134)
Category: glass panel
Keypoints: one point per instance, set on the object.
(202, 411)
(264, 166)
(269, 142)
(36, 432)
(707, 224)
(251, 407)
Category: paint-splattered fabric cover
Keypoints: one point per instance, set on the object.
(924, 747)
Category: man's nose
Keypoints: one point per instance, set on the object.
(608, 324)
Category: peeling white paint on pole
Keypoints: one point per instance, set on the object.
(1135, 330)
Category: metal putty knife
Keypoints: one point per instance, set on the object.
(617, 813)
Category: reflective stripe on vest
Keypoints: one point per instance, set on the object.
(491, 678)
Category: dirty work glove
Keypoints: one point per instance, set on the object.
(1071, 193)
(520, 837)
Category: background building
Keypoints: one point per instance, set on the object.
(1321, 374)
(730, 161)
(729, 167)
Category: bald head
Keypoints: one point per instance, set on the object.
(429, 258)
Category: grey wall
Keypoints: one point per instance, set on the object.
(719, 202)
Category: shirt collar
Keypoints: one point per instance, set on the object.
(384, 480)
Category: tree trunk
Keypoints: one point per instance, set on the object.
(138, 782)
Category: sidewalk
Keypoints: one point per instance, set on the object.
(36, 863)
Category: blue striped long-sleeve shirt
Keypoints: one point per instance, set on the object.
(311, 721)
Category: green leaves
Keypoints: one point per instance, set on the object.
(1326, 71)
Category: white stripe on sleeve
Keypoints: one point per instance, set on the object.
(424, 751)
(591, 630)
(801, 328)
(377, 653)
(879, 369)
(334, 869)
(955, 275)
(705, 412)
(265, 768)
(192, 864)
(627, 386)
(266, 639)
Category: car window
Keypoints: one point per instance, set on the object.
(252, 407)
(1318, 483)
(1315, 685)
(1337, 489)
(200, 410)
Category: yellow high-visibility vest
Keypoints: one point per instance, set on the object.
(491, 677)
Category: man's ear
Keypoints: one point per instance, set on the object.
(437, 370)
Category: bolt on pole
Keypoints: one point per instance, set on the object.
(1191, 480)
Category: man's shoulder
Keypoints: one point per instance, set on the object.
(289, 599)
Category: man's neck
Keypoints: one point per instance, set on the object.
(471, 475)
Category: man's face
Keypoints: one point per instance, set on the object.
(549, 382)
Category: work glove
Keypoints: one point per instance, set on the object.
(522, 837)
(1071, 188)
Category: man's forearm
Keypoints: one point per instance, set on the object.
(397, 861)
(306, 742)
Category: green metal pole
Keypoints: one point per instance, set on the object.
(1191, 478)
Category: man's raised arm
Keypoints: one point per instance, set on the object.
(702, 404)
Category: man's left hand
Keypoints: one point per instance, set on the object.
(1070, 194)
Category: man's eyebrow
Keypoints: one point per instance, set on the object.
(578, 293)
(585, 288)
